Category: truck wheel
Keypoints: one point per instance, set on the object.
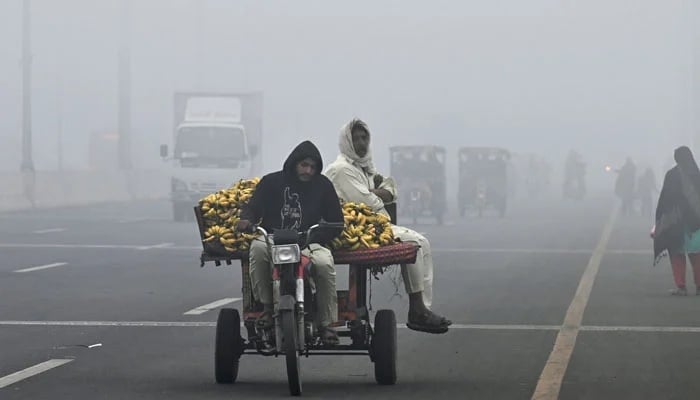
(384, 347)
(229, 346)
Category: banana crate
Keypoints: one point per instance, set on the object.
(214, 250)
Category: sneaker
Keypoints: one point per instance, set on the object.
(679, 292)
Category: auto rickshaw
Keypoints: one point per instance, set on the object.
(420, 175)
(483, 179)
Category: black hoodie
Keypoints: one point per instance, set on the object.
(285, 202)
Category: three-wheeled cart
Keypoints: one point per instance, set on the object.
(358, 336)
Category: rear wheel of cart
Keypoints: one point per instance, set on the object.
(229, 346)
(384, 347)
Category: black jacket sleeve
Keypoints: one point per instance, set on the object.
(255, 208)
(665, 196)
(331, 212)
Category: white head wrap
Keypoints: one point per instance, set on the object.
(348, 150)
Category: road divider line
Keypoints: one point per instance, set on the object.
(490, 327)
(40, 267)
(157, 246)
(645, 329)
(171, 246)
(52, 230)
(32, 371)
(208, 307)
(549, 383)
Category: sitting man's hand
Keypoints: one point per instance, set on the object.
(383, 194)
(244, 225)
(378, 179)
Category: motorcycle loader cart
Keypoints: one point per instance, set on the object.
(358, 336)
(420, 175)
(483, 179)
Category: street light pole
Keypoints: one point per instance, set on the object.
(27, 163)
(124, 112)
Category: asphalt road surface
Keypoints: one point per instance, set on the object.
(557, 300)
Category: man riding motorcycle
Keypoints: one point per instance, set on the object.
(356, 180)
(296, 197)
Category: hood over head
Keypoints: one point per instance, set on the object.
(305, 149)
(348, 150)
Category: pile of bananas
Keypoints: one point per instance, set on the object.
(363, 228)
(222, 211)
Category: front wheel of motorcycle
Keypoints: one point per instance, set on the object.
(289, 345)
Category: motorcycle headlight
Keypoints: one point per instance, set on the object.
(286, 254)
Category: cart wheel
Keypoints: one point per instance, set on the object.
(229, 346)
(384, 347)
(289, 345)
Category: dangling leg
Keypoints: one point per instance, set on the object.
(678, 266)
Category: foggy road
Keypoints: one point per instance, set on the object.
(109, 302)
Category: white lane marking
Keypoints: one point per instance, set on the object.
(128, 220)
(549, 383)
(31, 371)
(170, 246)
(157, 246)
(52, 230)
(40, 267)
(649, 329)
(491, 327)
(163, 246)
(216, 304)
(507, 250)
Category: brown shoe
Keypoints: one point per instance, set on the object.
(329, 336)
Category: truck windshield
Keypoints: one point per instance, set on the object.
(197, 144)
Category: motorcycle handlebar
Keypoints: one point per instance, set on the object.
(320, 225)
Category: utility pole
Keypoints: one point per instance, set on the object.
(693, 14)
(59, 115)
(27, 163)
(27, 166)
(124, 90)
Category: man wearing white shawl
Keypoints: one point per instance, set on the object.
(356, 180)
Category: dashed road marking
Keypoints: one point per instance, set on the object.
(157, 246)
(52, 230)
(40, 267)
(32, 371)
(171, 246)
(490, 327)
(208, 307)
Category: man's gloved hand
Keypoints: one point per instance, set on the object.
(244, 226)
(378, 179)
(383, 194)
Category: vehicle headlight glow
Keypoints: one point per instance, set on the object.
(286, 254)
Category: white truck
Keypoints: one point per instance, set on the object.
(217, 139)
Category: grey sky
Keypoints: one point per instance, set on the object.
(535, 76)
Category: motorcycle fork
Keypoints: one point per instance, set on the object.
(276, 282)
(277, 285)
(299, 309)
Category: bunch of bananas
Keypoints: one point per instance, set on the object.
(363, 228)
(222, 211)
